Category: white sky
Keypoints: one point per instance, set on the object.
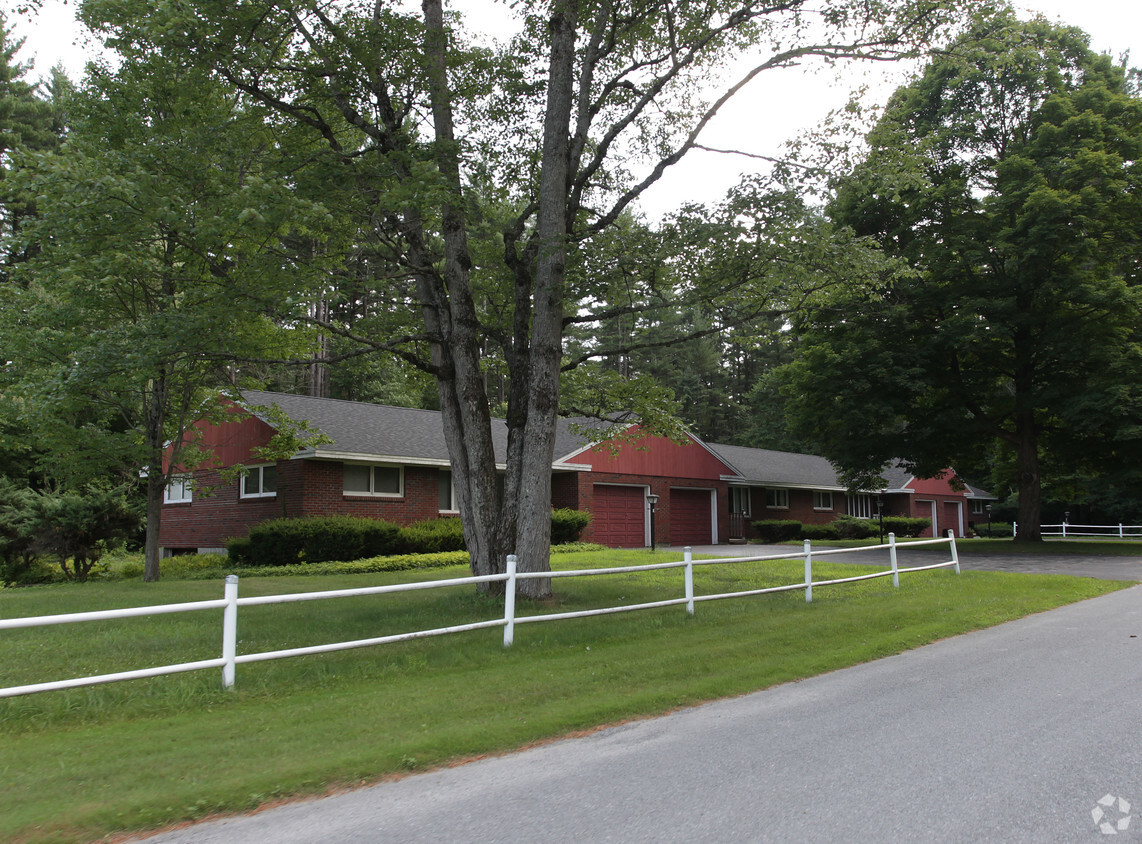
(778, 106)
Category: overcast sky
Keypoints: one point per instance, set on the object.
(779, 105)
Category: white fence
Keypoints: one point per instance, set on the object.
(1067, 530)
(230, 603)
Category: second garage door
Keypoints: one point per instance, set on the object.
(691, 517)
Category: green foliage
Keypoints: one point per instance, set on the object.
(78, 528)
(904, 525)
(432, 536)
(18, 555)
(777, 530)
(819, 533)
(1000, 529)
(1008, 181)
(392, 562)
(850, 527)
(567, 525)
(319, 539)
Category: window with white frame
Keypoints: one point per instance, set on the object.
(447, 491)
(740, 500)
(822, 500)
(260, 482)
(777, 499)
(860, 505)
(179, 490)
(379, 480)
(977, 507)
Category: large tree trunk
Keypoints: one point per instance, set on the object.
(533, 535)
(1030, 488)
(154, 422)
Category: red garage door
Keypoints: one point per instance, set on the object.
(691, 520)
(620, 516)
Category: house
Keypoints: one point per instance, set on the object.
(392, 463)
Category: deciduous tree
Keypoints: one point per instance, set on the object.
(1007, 179)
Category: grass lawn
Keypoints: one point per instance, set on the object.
(87, 763)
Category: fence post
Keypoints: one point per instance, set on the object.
(230, 631)
(1014, 529)
(688, 555)
(1121, 535)
(955, 553)
(808, 572)
(1064, 528)
(892, 559)
(509, 603)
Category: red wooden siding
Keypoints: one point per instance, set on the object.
(658, 457)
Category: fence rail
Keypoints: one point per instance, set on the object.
(230, 604)
(1067, 530)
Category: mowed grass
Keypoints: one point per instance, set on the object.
(86, 763)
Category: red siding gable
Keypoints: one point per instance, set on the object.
(233, 441)
(936, 486)
(657, 457)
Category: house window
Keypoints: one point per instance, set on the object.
(822, 501)
(178, 490)
(739, 500)
(260, 482)
(447, 491)
(777, 499)
(860, 505)
(385, 481)
(977, 507)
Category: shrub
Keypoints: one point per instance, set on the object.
(320, 539)
(78, 528)
(998, 529)
(238, 550)
(819, 533)
(18, 558)
(905, 526)
(850, 527)
(777, 530)
(432, 536)
(567, 525)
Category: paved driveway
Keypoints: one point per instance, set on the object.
(1105, 568)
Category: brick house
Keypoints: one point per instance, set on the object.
(392, 463)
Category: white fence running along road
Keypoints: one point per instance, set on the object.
(1069, 531)
(230, 604)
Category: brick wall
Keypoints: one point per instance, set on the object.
(305, 488)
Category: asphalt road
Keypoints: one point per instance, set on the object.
(1008, 734)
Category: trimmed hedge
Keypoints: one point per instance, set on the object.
(998, 529)
(778, 530)
(904, 525)
(321, 539)
(433, 536)
(819, 533)
(317, 539)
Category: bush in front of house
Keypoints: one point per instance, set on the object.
(433, 536)
(905, 525)
(317, 539)
(567, 525)
(321, 539)
(778, 530)
(850, 527)
(819, 533)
